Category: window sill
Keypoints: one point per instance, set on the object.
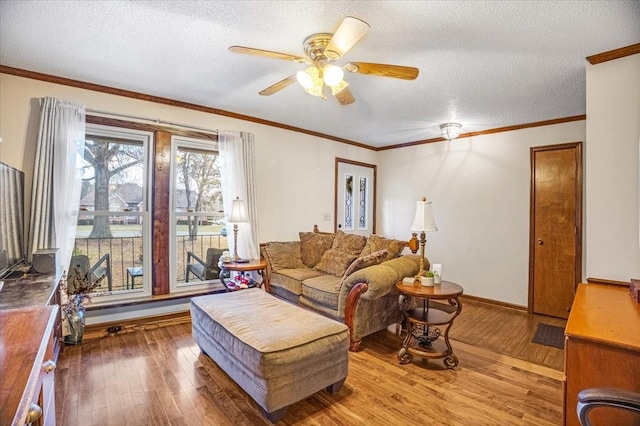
(152, 299)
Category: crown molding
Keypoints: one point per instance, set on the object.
(490, 131)
(614, 54)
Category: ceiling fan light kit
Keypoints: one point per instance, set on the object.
(450, 131)
(322, 48)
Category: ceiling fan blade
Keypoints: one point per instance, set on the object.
(268, 54)
(350, 31)
(345, 97)
(279, 86)
(384, 70)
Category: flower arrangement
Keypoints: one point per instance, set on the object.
(77, 294)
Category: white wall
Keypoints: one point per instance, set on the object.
(612, 164)
(480, 189)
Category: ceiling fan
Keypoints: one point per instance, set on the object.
(323, 48)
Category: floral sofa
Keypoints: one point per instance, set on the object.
(347, 277)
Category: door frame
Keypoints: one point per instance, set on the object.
(335, 190)
(578, 203)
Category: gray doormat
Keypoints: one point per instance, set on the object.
(549, 335)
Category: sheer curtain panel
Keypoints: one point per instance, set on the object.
(57, 178)
(238, 180)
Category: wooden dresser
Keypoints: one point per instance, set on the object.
(602, 348)
(33, 290)
(27, 367)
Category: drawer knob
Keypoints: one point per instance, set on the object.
(35, 412)
(49, 366)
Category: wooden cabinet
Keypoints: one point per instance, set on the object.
(58, 339)
(602, 348)
(27, 367)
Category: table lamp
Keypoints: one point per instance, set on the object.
(238, 214)
(423, 222)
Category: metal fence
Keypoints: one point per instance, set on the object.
(126, 256)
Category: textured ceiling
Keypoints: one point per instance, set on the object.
(483, 64)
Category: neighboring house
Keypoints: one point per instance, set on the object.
(123, 197)
(128, 197)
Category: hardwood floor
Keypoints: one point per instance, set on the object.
(506, 331)
(158, 376)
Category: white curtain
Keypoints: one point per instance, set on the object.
(57, 178)
(238, 180)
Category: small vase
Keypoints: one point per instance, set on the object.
(75, 321)
(426, 281)
(437, 279)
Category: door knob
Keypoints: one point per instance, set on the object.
(540, 242)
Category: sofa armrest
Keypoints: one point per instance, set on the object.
(406, 266)
(379, 279)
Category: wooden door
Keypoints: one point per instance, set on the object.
(555, 256)
(355, 197)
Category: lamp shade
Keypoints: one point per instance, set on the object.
(423, 221)
(304, 79)
(311, 81)
(333, 75)
(238, 212)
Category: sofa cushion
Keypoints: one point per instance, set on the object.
(363, 262)
(376, 243)
(335, 262)
(291, 279)
(322, 290)
(349, 243)
(313, 245)
(284, 255)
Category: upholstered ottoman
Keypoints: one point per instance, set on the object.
(277, 352)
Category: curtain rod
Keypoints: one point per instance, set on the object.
(153, 120)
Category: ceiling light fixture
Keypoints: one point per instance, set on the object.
(450, 131)
(314, 78)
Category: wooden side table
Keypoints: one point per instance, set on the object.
(424, 338)
(259, 265)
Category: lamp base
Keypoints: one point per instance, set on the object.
(235, 257)
(423, 241)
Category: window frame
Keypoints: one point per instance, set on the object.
(146, 138)
(174, 286)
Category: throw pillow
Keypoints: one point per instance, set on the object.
(364, 262)
(376, 243)
(349, 243)
(335, 262)
(284, 255)
(313, 245)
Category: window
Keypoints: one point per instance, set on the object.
(197, 214)
(113, 233)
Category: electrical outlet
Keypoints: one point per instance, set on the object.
(327, 216)
(115, 329)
